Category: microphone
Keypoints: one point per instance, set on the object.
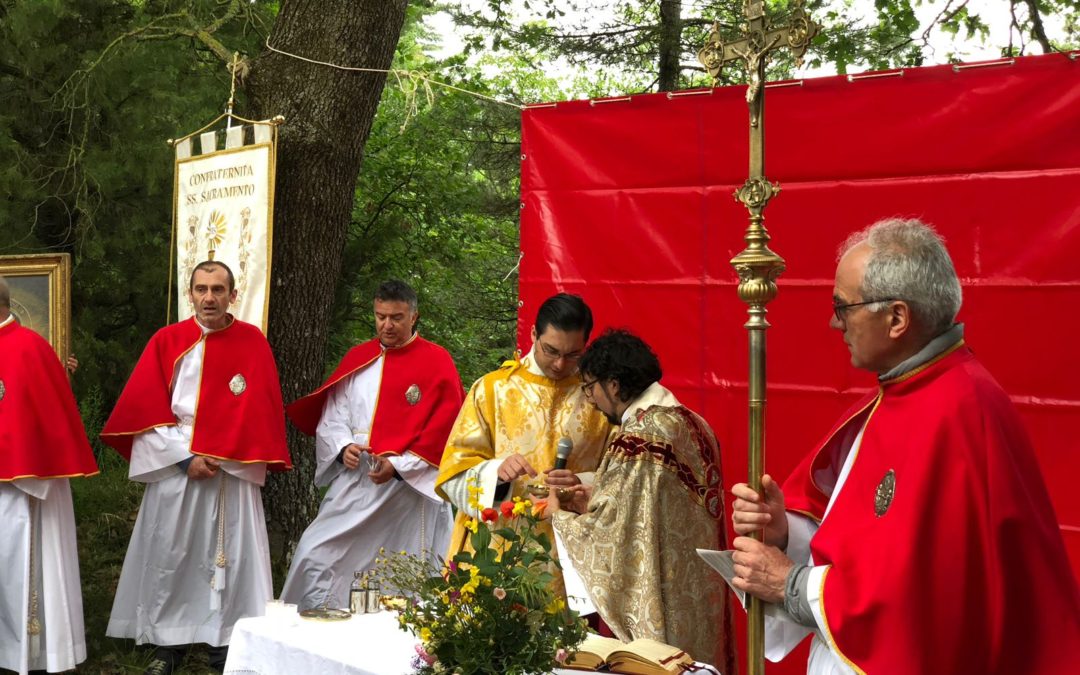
(562, 452)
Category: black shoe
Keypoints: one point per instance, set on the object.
(165, 661)
(216, 657)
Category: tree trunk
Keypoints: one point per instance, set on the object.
(670, 44)
(328, 116)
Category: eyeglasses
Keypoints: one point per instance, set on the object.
(586, 387)
(841, 310)
(555, 354)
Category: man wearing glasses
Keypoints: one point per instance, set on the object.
(658, 496)
(513, 418)
(919, 536)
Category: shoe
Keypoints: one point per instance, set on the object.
(159, 667)
(165, 661)
(216, 657)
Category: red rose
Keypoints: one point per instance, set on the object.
(489, 515)
(507, 509)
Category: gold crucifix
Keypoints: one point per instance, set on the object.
(757, 265)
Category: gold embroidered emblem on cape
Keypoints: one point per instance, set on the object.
(412, 394)
(883, 496)
(2, 390)
(237, 384)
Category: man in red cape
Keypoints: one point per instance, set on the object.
(919, 536)
(42, 444)
(200, 421)
(380, 424)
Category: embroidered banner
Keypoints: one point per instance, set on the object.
(223, 210)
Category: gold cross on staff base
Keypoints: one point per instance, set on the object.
(759, 38)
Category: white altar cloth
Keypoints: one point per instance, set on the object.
(366, 644)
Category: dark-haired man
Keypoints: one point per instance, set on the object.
(200, 421)
(42, 444)
(657, 497)
(380, 424)
(513, 418)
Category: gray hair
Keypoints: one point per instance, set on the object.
(908, 261)
(5, 293)
(396, 290)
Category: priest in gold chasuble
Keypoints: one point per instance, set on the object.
(513, 418)
(657, 496)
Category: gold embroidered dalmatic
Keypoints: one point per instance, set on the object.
(658, 496)
(513, 410)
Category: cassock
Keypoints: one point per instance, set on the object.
(198, 560)
(42, 444)
(400, 402)
(657, 497)
(516, 409)
(938, 550)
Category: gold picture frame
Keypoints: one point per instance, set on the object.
(41, 295)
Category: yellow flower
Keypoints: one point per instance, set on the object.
(555, 606)
(471, 525)
(470, 586)
(521, 507)
(474, 495)
(425, 635)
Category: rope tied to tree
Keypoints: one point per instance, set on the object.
(415, 77)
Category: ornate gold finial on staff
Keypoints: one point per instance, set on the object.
(757, 265)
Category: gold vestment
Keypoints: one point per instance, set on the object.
(514, 410)
(658, 496)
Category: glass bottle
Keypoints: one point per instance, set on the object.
(357, 593)
(373, 591)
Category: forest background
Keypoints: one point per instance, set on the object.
(379, 174)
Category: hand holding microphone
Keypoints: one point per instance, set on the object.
(560, 476)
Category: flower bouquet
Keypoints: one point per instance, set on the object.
(491, 611)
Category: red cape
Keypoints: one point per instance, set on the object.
(398, 426)
(966, 571)
(244, 427)
(41, 433)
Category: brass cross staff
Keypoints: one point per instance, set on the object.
(757, 266)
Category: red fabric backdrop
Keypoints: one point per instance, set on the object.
(629, 204)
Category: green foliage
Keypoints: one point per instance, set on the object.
(615, 45)
(492, 610)
(436, 205)
(91, 94)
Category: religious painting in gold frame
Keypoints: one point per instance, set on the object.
(41, 295)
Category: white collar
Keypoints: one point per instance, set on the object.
(11, 317)
(654, 394)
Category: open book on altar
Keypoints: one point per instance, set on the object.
(640, 657)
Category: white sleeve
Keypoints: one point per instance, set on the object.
(782, 633)
(417, 473)
(37, 488)
(252, 472)
(332, 434)
(155, 453)
(485, 475)
(801, 530)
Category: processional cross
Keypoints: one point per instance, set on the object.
(757, 265)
